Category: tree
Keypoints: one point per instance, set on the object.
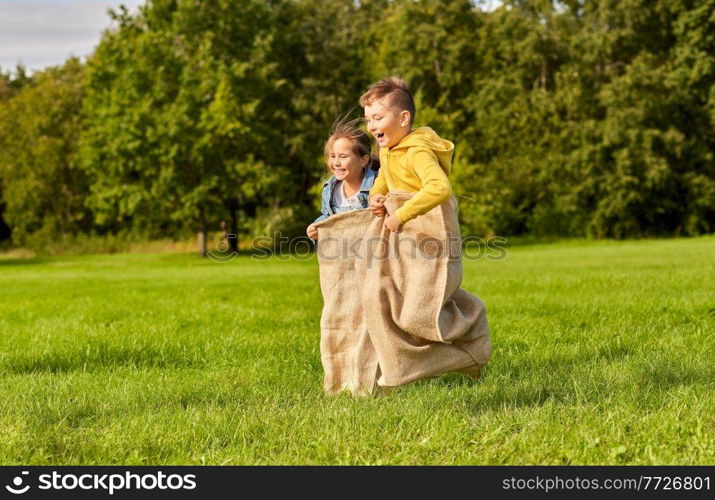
(43, 189)
(575, 118)
(10, 85)
(185, 114)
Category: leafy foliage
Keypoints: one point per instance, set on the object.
(43, 189)
(579, 118)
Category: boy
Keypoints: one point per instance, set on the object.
(412, 160)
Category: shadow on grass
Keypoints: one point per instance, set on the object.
(560, 382)
(603, 354)
(218, 257)
(482, 397)
(22, 261)
(102, 357)
(449, 380)
(668, 376)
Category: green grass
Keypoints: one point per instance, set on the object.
(603, 354)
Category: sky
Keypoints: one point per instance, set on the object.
(41, 33)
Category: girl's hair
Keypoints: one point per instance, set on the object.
(360, 140)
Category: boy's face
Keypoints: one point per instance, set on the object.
(385, 123)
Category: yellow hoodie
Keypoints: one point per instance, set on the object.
(419, 163)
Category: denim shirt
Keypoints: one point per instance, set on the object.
(329, 186)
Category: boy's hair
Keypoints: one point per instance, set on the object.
(360, 141)
(396, 88)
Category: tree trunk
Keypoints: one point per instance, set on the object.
(201, 239)
(233, 230)
(5, 231)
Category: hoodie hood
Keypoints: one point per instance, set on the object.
(427, 138)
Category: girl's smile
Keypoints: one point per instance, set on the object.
(345, 164)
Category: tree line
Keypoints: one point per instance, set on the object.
(587, 118)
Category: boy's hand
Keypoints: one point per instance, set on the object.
(312, 232)
(377, 205)
(393, 224)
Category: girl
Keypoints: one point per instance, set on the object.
(347, 154)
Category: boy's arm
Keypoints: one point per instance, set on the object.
(380, 186)
(436, 188)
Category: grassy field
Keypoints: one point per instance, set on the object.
(603, 354)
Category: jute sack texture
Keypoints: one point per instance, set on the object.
(393, 308)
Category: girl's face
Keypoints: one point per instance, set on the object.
(345, 164)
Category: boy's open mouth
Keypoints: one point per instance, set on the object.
(379, 136)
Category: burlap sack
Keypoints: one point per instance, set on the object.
(393, 311)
